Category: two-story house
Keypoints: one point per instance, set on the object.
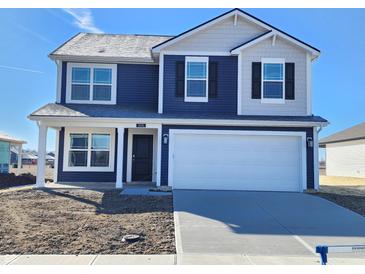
(225, 105)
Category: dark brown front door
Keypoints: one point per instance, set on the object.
(142, 153)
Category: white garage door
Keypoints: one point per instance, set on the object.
(237, 160)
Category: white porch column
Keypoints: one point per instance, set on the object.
(315, 158)
(41, 162)
(20, 150)
(158, 158)
(119, 167)
(55, 169)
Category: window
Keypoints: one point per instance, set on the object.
(89, 150)
(273, 84)
(196, 79)
(91, 83)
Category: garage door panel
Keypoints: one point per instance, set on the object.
(242, 162)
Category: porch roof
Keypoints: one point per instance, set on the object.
(143, 112)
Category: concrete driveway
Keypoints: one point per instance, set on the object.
(261, 227)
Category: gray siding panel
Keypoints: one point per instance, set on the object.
(226, 101)
(165, 148)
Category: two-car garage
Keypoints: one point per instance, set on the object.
(237, 160)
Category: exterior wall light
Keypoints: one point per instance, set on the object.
(309, 141)
(165, 139)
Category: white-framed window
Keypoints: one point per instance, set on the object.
(91, 83)
(89, 149)
(196, 79)
(273, 80)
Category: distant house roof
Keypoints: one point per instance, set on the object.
(11, 139)
(120, 47)
(127, 111)
(353, 133)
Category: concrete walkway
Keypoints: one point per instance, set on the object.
(180, 259)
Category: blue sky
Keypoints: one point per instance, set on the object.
(28, 77)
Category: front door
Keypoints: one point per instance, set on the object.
(142, 152)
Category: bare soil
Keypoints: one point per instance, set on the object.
(84, 222)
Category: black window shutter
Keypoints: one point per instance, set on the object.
(289, 81)
(256, 80)
(180, 78)
(213, 80)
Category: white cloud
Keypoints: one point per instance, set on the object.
(20, 69)
(83, 18)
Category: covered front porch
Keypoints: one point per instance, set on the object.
(100, 154)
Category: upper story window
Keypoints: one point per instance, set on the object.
(196, 79)
(273, 81)
(91, 83)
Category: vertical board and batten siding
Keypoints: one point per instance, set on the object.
(137, 85)
(224, 103)
(291, 54)
(92, 176)
(220, 37)
(346, 159)
(165, 147)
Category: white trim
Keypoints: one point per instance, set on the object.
(315, 158)
(272, 61)
(20, 152)
(173, 132)
(120, 154)
(154, 122)
(239, 85)
(89, 131)
(197, 53)
(57, 148)
(141, 131)
(59, 81)
(253, 42)
(103, 59)
(192, 59)
(160, 83)
(91, 66)
(158, 155)
(309, 84)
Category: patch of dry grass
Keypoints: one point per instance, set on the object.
(341, 181)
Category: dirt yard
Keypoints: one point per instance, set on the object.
(32, 169)
(84, 222)
(346, 191)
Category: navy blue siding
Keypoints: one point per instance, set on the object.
(226, 101)
(165, 148)
(138, 85)
(72, 176)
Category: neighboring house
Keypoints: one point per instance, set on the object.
(29, 158)
(225, 105)
(345, 152)
(6, 146)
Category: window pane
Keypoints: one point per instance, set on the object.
(77, 158)
(273, 90)
(80, 92)
(197, 70)
(196, 88)
(78, 141)
(273, 71)
(100, 141)
(102, 76)
(81, 75)
(99, 158)
(102, 93)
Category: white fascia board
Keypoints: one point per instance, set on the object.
(102, 59)
(194, 30)
(253, 42)
(155, 122)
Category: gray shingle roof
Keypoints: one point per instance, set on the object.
(127, 111)
(120, 47)
(353, 133)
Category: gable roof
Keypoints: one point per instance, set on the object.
(353, 133)
(254, 40)
(237, 12)
(119, 47)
